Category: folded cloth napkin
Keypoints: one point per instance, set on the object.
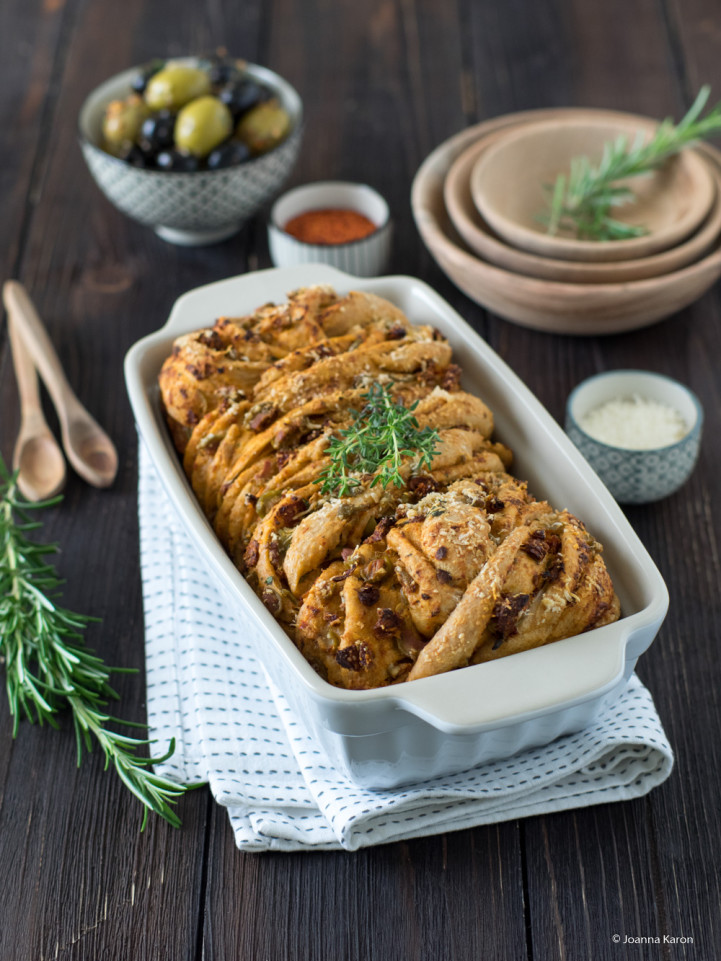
(235, 730)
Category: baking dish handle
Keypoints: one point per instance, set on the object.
(485, 695)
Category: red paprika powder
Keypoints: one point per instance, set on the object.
(329, 226)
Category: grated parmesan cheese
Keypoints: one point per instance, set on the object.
(635, 423)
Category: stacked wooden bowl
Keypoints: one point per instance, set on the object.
(477, 199)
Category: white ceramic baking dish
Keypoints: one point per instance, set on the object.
(421, 729)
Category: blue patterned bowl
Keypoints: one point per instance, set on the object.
(190, 208)
(637, 476)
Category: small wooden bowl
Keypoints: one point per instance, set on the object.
(509, 181)
(555, 307)
(481, 239)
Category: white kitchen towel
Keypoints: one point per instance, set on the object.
(234, 730)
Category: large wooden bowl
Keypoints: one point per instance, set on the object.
(509, 186)
(556, 307)
(484, 242)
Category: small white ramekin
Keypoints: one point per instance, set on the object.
(367, 257)
(637, 476)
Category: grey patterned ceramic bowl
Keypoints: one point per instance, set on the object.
(190, 208)
(637, 476)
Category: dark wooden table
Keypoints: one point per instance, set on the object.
(383, 83)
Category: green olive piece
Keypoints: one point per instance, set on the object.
(122, 121)
(201, 125)
(263, 127)
(174, 86)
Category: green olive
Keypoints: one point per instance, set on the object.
(174, 86)
(201, 125)
(263, 127)
(122, 121)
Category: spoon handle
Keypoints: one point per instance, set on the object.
(88, 447)
(28, 324)
(27, 381)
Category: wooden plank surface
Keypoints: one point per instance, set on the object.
(686, 813)
(595, 873)
(380, 75)
(383, 83)
(85, 883)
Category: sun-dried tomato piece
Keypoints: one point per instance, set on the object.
(212, 339)
(252, 553)
(264, 418)
(380, 530)
(271, 601)
(291, 510)
(451, 378)
(355, 657)
(504, 620)
(388, 621)
(368, 594)
(422, 485)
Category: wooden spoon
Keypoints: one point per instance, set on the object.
(88, 447)
(37, 456)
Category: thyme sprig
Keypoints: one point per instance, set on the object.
(48, 668)
(582, 200)
(383, 432)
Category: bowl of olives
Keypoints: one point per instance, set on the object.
(192, 147)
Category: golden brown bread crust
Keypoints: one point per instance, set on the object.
(458, 566)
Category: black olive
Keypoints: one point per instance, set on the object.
(140, 81)
(240, 96)
(221, 71)
(156, 132)
(174, 160)
(228, 154)
(137, 157)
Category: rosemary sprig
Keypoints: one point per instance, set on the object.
(383, 432)
(582, 200)
(49, 668)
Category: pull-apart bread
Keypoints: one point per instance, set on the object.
(457, 565)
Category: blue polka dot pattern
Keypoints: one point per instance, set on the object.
(236, 731)
(638, 476)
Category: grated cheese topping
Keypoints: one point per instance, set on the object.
(635, 423)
